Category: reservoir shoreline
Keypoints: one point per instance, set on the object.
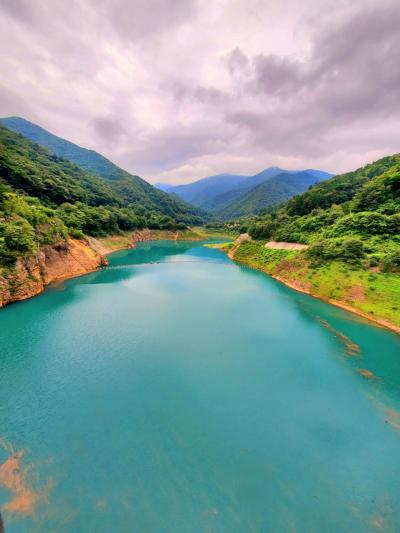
(75, 258)
(381, 322)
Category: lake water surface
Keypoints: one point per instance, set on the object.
(178, 392)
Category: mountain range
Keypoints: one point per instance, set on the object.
(224, 196)
(232, 195)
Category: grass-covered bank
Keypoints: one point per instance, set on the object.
(374, 295)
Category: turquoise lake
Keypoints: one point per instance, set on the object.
(176, 391)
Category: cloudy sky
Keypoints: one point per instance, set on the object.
(175, 90)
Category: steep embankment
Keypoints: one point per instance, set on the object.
(367, 293)
(29, 276)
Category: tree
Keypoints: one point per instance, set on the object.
(19, 237)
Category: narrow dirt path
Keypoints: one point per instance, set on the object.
(286, 245)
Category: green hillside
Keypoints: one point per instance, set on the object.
(86, 159)
(364, 204)
(351, 224)
(132, 189)
(274, 191)
(44, 198)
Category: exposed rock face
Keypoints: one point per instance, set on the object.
(69, 259)
(143, 235)
(243, 237)
(30, 276)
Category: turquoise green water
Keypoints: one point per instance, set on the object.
(178, 392)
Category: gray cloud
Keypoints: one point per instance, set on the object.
(277, 75)
(237, 62)
(18, 9)
(135, 20)
(350, 78)
(11, 100)
(109, 129)
(178, 89)
(174, 145)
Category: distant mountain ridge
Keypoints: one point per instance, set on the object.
(270, 192)
(200, 192)
(228, 195)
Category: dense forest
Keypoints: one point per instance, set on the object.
(44, 198)
(353, 217)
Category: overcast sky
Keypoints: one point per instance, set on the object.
(174, 90)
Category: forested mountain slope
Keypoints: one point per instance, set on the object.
(86, 159)
(132, 189)
(365, 203)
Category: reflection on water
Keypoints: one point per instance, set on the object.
(173, 393)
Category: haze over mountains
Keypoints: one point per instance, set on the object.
(233, 195)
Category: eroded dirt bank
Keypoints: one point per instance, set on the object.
(30, 276)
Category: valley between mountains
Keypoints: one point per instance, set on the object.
(63, 207)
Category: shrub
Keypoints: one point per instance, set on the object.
(352, 250)
(373, 261)
(261, 230)
(349, 250)
(391, 262)
(19, 237)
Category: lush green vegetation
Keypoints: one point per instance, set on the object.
(84, 158)
(43, 198)
(354, 217)
(129, 189)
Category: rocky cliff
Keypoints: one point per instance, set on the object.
(30, 276)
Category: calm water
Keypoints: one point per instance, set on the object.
(178, 392)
